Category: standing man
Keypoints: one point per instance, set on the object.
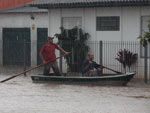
(89, 65)
(49, 58)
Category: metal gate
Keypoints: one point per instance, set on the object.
(42, 34)
(16, 46)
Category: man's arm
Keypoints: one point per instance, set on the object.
(41, 56)
(86, 67)
(63, 51)
(96, 65)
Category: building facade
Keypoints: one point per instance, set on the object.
(18, 25)
(104, 20)
(116, 20)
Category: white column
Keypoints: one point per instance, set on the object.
(33, 45)
(49, 22)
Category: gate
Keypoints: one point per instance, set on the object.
(42, 34)
(15, 42)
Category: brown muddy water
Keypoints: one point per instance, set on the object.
(20, 95)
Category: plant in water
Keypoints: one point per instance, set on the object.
(126, 58)
(74, 41)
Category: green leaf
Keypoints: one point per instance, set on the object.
(74, 40)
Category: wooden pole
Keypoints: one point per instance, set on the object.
(26, 71)
(112, 70)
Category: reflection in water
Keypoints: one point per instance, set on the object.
(20, 95)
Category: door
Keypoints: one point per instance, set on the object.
(16, 46)
(42, 34)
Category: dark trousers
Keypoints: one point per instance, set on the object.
(54, 66)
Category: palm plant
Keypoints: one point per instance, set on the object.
(126, 58)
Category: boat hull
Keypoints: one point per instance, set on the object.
(100, 80)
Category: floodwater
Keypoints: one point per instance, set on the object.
(20, 95)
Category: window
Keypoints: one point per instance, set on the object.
(71, 22)
(109, 23)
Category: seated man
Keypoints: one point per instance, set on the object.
(89, 65)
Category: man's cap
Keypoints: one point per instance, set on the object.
(50, 38)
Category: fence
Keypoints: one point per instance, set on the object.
(105, 53)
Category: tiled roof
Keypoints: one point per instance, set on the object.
(24, 9)
(87, 3)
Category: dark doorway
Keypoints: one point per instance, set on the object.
(16, 46)
(42, 34)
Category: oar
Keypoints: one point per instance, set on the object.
(26, 71)
(97, 65)
(112, 70)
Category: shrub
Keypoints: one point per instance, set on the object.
(126, 58)
(74, 41)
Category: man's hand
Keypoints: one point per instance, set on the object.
(90, 62)
(44, 62)
(67, 53)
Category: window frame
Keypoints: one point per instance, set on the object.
(62, 20)
(100, 19)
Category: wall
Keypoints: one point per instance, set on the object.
(22, 20)
(130, 23)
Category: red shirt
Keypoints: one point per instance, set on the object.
(49, 52)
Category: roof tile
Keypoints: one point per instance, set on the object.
(86, 3)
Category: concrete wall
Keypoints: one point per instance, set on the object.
(130, 21)
(130, 24)
(22, 20)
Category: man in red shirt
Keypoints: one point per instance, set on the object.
(49, 56)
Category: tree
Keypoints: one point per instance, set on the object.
(74, 41)
(144, 41)
(145, 38)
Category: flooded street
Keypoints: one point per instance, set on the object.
(20, 95)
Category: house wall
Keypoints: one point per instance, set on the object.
(22, 20)
(130, 24)
(130, 21)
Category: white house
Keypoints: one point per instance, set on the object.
(19, 24)
(106, 20)
(113, 20)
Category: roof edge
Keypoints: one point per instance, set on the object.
(92, 4)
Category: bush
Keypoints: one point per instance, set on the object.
(74, 41)
(126, 58)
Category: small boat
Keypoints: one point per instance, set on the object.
(120, 79)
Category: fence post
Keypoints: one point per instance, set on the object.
(24, 56)
(145, 63)
(101, 53)
(60, 60)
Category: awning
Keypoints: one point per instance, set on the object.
(5, 4)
